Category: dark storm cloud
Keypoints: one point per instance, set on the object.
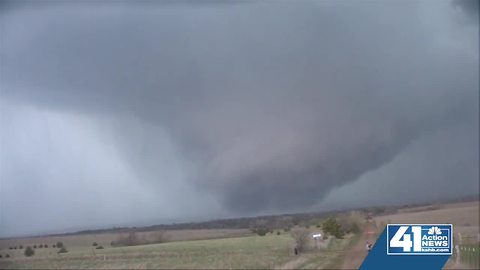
(470, 7)
(272, 105)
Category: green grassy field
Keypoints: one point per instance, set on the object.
(244, 252)
(270, 251)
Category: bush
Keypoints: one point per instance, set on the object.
(29, 251)
(62, 250)
(260, 227)
(260, 231)
(34, 246)
(94, 244)
(59, 244)
(301, 238)
(7, 255)
(278, 233)
(0, 255)
(330, 226)
(99, 247)
(40, 246)
(54, 246)
(45, 246)
(20, 247)
(352, 222)
(112, 243)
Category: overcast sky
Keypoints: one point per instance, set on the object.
(136, 113)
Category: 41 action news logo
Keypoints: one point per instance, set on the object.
(419, 239)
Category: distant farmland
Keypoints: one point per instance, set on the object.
(270, 251)
(232, 248)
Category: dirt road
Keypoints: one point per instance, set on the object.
(296, 263)
(355, 256)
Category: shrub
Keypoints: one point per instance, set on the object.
(34, 246)
(0, 255)
(260, 227)
(45, 246)
(40, 246)
(29, 251)
(99, 247)
(352, 222)
(112, 243)
(330, 226)
(301, 238)
(260, 231)
(7, 255)
(59, 244)
(278, 232)
(20, 247)
(62, 250)
(54, 246)
(94, 244)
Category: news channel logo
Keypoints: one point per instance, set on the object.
(419, 239)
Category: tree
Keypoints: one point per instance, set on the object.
(330, 226)
(260, 231)
(260, 227)
(352, 222)
(59, 244)
(29, 251)
(300, 236)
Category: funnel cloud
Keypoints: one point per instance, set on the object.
(187, 110)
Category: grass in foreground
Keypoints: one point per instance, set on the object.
(245, 252)
(253, 252)
(332, 257)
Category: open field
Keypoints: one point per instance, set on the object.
(105, 239)
(270, 251)
(232, 248)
